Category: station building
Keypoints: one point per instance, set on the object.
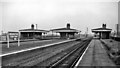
(66, 33)
(31, 33)
(104, 33)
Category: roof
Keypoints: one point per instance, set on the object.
(32, 30)
(64, 30)
(101, 30)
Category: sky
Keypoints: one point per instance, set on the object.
(51, 14)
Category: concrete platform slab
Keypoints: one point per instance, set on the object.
(19, 49)
(96, 55)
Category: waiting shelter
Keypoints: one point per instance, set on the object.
(66, 32)
(31, 33)
(104, 33)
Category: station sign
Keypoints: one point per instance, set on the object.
(13, 36)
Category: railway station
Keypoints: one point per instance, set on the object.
(32, 33)
(76, 52)
(66, 32)
(73, 48)
(67, 51)
(104, 33)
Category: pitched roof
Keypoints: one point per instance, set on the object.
(32, 30)
(64, 30)
(101, 30)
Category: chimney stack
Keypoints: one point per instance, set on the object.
(36, 26)
(32, 26)
(104, 25)
(68, 25)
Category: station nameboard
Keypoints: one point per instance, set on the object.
(13, 35)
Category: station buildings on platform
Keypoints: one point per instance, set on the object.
(66, 32)
(104, 33)
(31, 33)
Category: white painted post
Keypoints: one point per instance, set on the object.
(18, 38)
(8, 40)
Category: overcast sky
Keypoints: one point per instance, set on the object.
(50, 14)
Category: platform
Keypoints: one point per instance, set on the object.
(30, 46)
(96, 55)
(13, 41)
(114, 45)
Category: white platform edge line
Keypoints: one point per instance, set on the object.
(34, 48)
(31, 48)
(26, 41)
(82, 56)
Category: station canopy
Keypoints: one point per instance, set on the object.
(64, 30)
(67, 29)
(103, 29)
(32, 30)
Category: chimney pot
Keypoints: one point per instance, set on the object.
(32, 26)
(68, 25)
(104, 25)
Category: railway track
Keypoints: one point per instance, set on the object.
(31, 57)
(68, 58)
(49, 57)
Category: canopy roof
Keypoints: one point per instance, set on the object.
(101, 30)
(64, 30)
(32, 30)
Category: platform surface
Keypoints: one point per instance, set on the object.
(96, 55)
(27, 45)
(115, 45)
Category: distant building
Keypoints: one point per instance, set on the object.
(66, 32)
(31, 33)
(104, 33)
